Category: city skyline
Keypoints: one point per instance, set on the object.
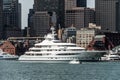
(26, 7)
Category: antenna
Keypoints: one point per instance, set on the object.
(52, 29)
(53, 32)
(59, 26)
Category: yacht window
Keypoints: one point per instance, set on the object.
(49, 46)
(27, 54)
(47, 53)
(38, 46)
(32, 54)
(51, 58)
(68, 54)
(39, 54)
(55, 58)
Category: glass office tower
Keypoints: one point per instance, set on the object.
(1, 18)
(106, 14)
(81, 3)
(51, 6)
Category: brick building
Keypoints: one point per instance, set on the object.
(8, 47)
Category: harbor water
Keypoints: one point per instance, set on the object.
(15, 70)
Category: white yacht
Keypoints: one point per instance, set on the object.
(52, 50)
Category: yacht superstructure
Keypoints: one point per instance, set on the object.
(52, 50)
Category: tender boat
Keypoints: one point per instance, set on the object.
(111, 56)
(7, 56)
(75, 62)
(52, 50)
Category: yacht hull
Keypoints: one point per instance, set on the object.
(82, 56)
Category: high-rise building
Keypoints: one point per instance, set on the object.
(77, 14)
(1, 18)
(56, 8)
(80, 17)
(69, 4)
(75, 17)
(11, 11)
(19, 15)
(51, 6)
(75, 3)
(11, 18)
(89, 16)
(81, 3)
(118, 16)
(30, 15)
(106, 17)
(41, 23)
(30, 22)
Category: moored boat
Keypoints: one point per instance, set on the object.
(110, 56)
(75, 62)
(7, 56)
(52, 50)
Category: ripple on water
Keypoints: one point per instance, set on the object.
(15, 70)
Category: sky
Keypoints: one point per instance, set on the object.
(27, 4)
